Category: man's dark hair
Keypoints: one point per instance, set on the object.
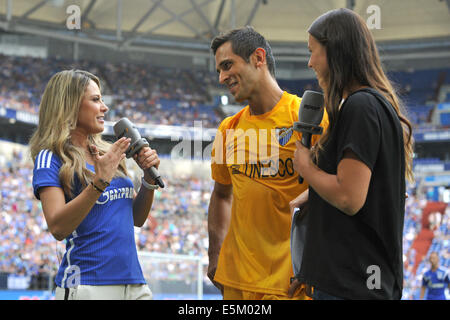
(244, 41)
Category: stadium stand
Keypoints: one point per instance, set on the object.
(177, 225)
(146, 94)
(429, 235)
(152, 94)
(161, 95)
(178, 221)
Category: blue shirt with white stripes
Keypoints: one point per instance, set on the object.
(436, 282)
(102, 249)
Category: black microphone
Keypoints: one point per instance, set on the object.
(124, 128)
(310, 115)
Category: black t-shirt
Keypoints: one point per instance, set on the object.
(360, 256)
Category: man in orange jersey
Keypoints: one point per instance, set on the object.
(249, 216)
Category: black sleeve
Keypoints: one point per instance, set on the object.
(359, 128)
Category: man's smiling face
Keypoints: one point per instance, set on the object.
(237, 74)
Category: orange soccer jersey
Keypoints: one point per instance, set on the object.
(255, 154)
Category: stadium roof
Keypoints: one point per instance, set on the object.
(188, 25)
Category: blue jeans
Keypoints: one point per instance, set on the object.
(320, 295)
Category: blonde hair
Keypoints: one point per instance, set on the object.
(58, 116)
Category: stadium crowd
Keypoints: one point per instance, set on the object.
(178, 225)
(144, 93)
(440, 243)
(178, 222)
(170, 96)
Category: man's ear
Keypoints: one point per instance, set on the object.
(259, 56)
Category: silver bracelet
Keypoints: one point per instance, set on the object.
(148, 185)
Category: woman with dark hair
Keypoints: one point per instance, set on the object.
(356, 172)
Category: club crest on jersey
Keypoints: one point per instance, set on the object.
(284, 135)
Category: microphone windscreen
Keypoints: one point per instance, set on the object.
(311, 108)
(125, 128)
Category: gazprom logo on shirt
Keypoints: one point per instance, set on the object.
(116, 193)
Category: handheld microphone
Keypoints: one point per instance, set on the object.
(124, 128)
(310, 115)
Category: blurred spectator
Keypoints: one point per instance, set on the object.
(435, 280)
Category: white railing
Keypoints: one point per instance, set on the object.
(156, 257)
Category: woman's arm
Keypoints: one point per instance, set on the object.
(301, 199)
(347, 190)
(142, 204)
(63, 218)
(143, 201)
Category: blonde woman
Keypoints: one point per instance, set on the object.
(357, 172)
(87, 197)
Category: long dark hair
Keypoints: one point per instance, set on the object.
(353, 58)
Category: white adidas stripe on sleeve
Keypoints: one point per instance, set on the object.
(44, 159)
